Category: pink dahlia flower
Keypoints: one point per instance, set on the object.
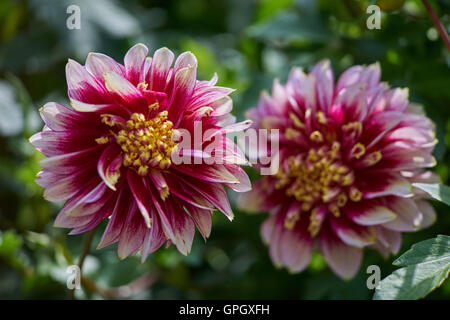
(348, 155)
(111, 155)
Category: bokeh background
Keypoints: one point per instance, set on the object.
(248, 43)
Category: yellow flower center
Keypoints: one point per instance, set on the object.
(144, 143)
(316, 178)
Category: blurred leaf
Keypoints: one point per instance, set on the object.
(436, 191)
(291, 27)
(390, 5)
(11, 121)
(10, 242)
(426, 266)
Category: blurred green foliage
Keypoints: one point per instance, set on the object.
(248, 43)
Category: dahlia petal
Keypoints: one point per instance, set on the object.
(244, 183)
(183, 227)
(109, 164)
(349, 77)
(154, 238)
(208, 96)
(212, 173)
(255, 200)
(53, 143)
(71, 218)
(325, 84)
(352, 234)
(164, 217)
(134, 62)
(344, 260)
(428, 213)
(202, 219)
(295, 249)
(162, 60)
(67, 186)
(82, 85)
(132, 235)
(98, 64)
(64, 220)
(379, 124)
(267, 228)
(398, 99)
(59, 117)
(213, 193)
(409, 217)
(188, 194)
(186, 59)
(352, 101)
(87, 107)
(139, 191)
(124, 207)
(236, 127)
(184, 86)
(388, 239)
(71, 162)
(159, 182)
(369, 213)
(121, 88)
(378, 184)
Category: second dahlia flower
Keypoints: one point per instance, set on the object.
(348, 155)
(111, 155)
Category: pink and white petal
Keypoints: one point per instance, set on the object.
(428, 213)
(212, 192)
(139, 191)
(351, 233)
(64, 188)
(82, 85)
(378, 184)
(391, 240)
(368, 212)
(134, 62)
(132, 235)
(184, 85)
(187, 194)
(53, 143)
(122, 90)
(109, 165)
(343, 259)
(350, 104)
(324, 85)
(202, 219)
(67, 163)
(98, 64)
(244, 183)
(409, 217)
(162, 60)
(124, 207)
(182, 225)
(267, 228)
(378, 125)
(295, 249)
(58, 117)
(349, 77)
(255, 200)
(212, 173)
(154, 238)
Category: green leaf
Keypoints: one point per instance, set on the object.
(10, 242)
(436, 191)
(390, 5)
(426, 266)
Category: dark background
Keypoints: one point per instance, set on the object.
(248, 43)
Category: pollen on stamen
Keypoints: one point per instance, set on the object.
(145, 143)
